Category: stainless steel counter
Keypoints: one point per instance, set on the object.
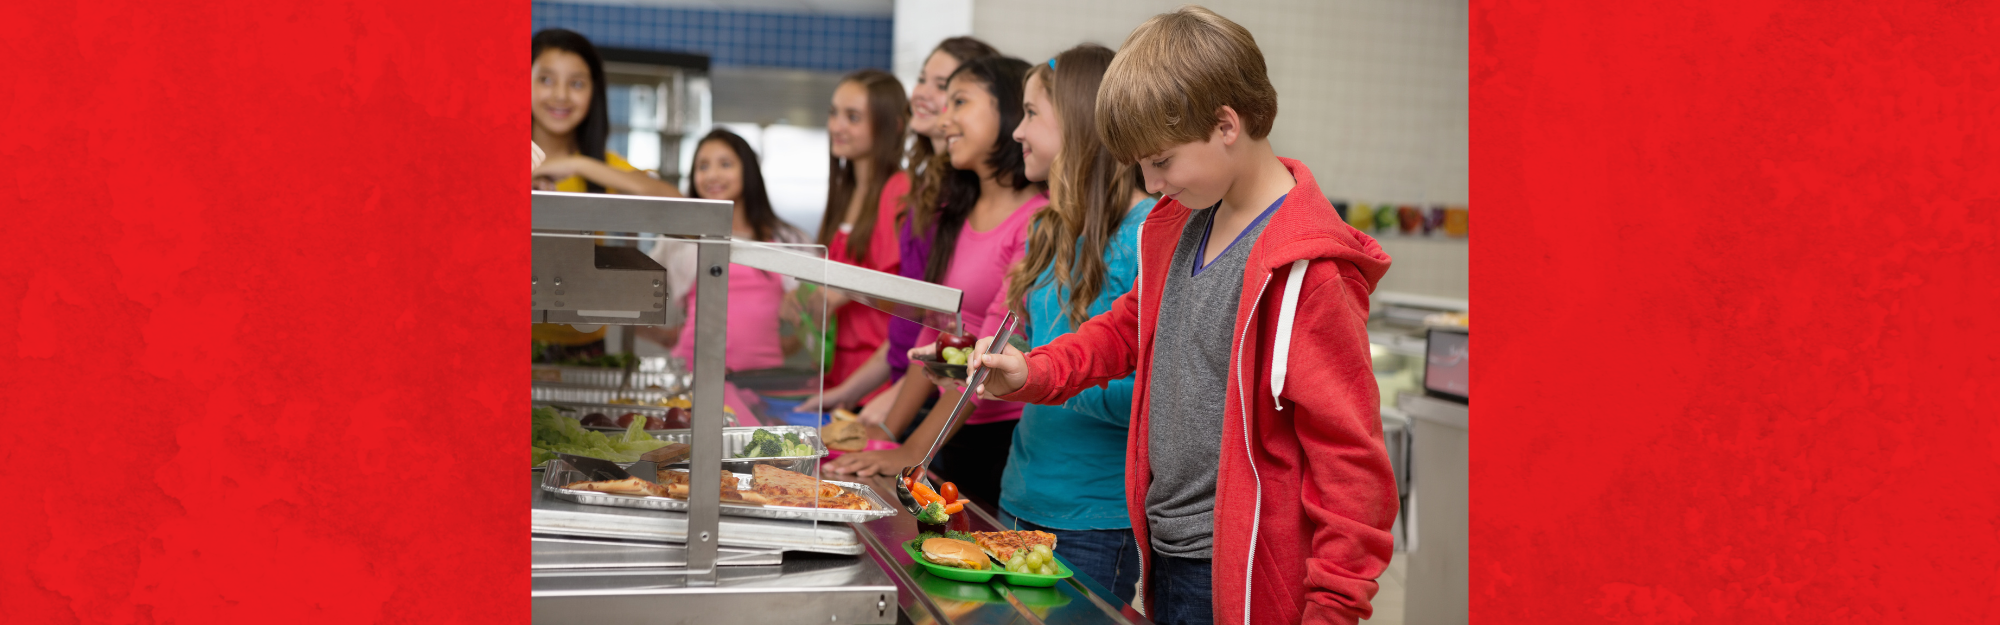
(881, 585)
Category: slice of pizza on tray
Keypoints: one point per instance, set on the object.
(1003, 545)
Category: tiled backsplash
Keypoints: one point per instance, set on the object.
(731, 38)
(1371, 93)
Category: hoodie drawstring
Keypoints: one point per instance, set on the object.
(1286, 313)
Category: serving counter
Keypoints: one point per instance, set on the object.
(610, 581)
(691, 562)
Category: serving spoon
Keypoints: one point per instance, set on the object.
(958, 413)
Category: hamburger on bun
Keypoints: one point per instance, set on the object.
(954, 553)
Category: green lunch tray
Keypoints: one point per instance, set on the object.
(968, 575)
(986, 593)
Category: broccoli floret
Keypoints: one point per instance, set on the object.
(762, 443)
(933, 514)
(793, 438)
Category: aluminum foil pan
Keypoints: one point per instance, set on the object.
(557, 474)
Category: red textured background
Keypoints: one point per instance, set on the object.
(260, 309)
(1735, 279)
(261, 314)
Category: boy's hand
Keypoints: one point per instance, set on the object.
(1010, 369)
(539, 156)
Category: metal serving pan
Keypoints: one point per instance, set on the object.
(591, 394)
(608, 378)
(558, 474)
(736, 438)
(577, 410)
(555, 515)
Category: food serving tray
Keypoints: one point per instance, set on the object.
(577, 410)
(914, 547)
(735, 439)
(592, 394)
(608, 378)
(559, 474)
(555, 516)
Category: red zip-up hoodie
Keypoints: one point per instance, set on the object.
(1304, 495)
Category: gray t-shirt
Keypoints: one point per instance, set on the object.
(1191, 348)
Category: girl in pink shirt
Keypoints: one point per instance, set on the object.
(980, 230)
(725, 168)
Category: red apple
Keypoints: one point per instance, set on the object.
(598, 420)
(961, 341)
(677, 419)
(625, 420)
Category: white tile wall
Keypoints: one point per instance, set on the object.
(920, 25)
(1371, 95)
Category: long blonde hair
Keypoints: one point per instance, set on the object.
(1089, 191)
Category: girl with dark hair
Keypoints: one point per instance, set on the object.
(1066, 468)
(725, 168)
(928, 165)
(864, 200)
(571, 122)
(926, 105)
(979, 232)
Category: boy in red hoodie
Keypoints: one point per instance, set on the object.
(1256, 478)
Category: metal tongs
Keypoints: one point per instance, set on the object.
(958, 414)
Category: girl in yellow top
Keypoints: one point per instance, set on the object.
(571, 122)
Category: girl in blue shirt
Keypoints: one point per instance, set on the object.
(1066, 471)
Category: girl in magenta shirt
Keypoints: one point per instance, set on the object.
(725, 168)
(980, 231)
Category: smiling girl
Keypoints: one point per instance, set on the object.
(864, 128)
(929, 168)
(725, 168)
(570, 125)
(571, 122)
(1066, 468)
(980, 231)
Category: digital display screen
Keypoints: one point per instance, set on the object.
(1447, 371)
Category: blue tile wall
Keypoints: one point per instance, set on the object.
(730, 37)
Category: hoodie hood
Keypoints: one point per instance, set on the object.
(1306, 228)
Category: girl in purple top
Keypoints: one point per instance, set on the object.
(978, 231)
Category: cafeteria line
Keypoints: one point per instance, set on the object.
(595, 561)
(709, 555)
(741, 417)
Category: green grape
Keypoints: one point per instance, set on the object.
(1034, 559)
(1048, 569)
(1043, 550)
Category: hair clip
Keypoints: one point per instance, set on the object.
(1052, 63)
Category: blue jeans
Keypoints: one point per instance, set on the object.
(1108, 557)
(1181, 591)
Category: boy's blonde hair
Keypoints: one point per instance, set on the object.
(1171, 77)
